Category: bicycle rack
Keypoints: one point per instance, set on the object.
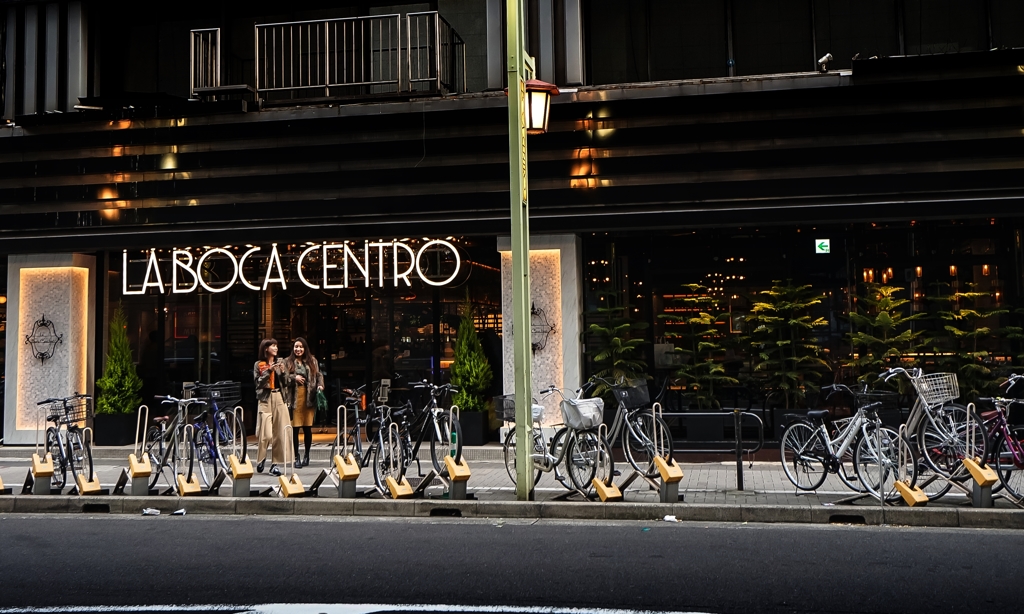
(345, 465)
(42, 467)
(187, 486)
(606, 489)
(238, 461)
(912, 496)
(398, 489)
(982, 475)
(669, 472)
(289, 483)
(87, 487)
(139, 466)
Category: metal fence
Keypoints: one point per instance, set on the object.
(358, 56)
(204, 59)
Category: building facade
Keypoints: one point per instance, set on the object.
(339, 171)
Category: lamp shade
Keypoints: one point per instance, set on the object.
(538, 105)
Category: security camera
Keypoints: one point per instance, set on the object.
(823, 62)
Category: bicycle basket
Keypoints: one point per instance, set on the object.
(633, 393)
(582, 413)
(889, 400)
(937, 388)
(77, 410)
(505, 406)
(226, 395)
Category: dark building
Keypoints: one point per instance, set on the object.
(231, 171)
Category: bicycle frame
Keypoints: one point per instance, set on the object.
(998, 425)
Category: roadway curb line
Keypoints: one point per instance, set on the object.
(694, 512)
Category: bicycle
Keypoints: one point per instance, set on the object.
(170, 441)
(213, 445)
(577, 444)
(635, 423)
(385, 450)
(879, 455)
(443, 427)
(940, 430)
(66, 446)
(1007, 443)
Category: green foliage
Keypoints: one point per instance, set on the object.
(618, 346)
(882, 335)
(700, 341)
(119, 387)
(782, 338)
(965, 322)
(471, 372)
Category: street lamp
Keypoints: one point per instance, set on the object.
(538, 105)
(528, 103)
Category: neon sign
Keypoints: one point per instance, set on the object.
(326, 266)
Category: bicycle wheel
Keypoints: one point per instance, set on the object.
(878, 459)
(206, 463)
(943, 437)
(1011, 475)
(387, 461)
(848, 472)
(803, 456)
(450, 443)
(587, 457)
(230, 435)
(80, 455)
(56, 452)
(639, 443)
(509, 452)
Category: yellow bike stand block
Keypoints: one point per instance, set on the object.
(912, 496)
(240, 470)
(399, 490)
(86, 487)
(1, 485)
(189, 487)
(291, 487)
(669, 470)
(982, 474)
(139, 468)
(348, 468)
(458, 472)
(607, 492)
(42, 467)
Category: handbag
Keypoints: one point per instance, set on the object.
(321, 406)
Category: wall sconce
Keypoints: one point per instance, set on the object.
(885, 277)
(888, 271)
(918, 271)
(952, 270)
(985, 270)
(869, 276)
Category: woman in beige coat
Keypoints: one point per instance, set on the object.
(272, 417)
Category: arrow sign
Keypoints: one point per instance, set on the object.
(822, 246)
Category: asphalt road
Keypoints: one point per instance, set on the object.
(109, 560)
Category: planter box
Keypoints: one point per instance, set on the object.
(475, 427)
(114, 429)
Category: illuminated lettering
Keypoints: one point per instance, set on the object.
(202, 261)
(187, 266)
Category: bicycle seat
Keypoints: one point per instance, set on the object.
(988, 415)
(161, 418)
(817, 414)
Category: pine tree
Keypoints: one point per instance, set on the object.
(120, 384)
(882, 334)
(471, 373)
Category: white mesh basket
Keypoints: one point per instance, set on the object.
(937, 388)
(582, 413)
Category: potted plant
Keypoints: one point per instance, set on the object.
(782, 340)
(472, 375)
(118, 397)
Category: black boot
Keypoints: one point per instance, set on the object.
(259, 466)
(305, 460)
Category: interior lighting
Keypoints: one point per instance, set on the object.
(985, 270)
(918, 271)
(952, 270)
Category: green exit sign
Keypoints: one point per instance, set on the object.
(822, 246)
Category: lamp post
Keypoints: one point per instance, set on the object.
(528, 105)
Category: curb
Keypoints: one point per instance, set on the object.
(684, 512)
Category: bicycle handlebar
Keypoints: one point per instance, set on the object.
(77, 395)
(170, 399)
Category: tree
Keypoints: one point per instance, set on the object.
(965, 322)
(120, 384)
(471, 373)
(882, 334)
(699, 340)
(782, 339)
(617, 346)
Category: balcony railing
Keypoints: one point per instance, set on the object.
(359, 56)
(204, 59)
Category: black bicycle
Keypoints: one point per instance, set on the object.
(67, 446)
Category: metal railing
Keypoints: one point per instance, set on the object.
(359, 56)
(204, 59)
(737, 416)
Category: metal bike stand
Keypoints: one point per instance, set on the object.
(40, 473)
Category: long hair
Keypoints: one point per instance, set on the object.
(265, 347)
(307, 357)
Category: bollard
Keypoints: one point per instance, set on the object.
(348, 473)
(458, 474)
(139, 471)
(241, 474)
(984, 477)
(41, 472)
(671, 475)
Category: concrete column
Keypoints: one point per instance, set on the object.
(52, 60)
(12, 56)
(31, 63)
(546, 36)
(557, 289)
(495, 45)
(60, 287)
(78, 55)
